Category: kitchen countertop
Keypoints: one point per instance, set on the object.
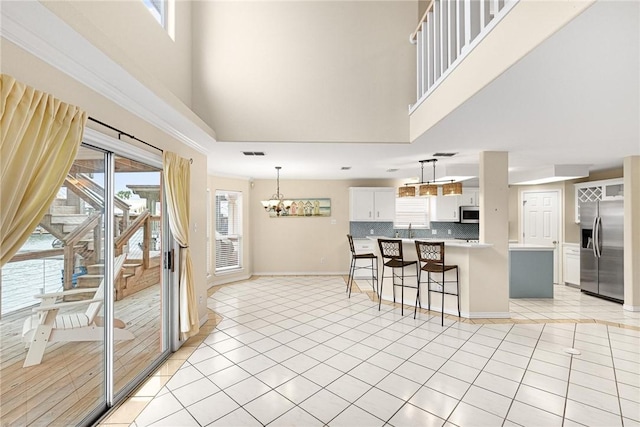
(447, 242)
(529, 247)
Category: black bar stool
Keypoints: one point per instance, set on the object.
(432, 255)
(391, 252)
(354, 267)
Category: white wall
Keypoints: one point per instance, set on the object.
(304, 70)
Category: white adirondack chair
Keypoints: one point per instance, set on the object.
(47, 326)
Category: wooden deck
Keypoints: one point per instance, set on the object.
(68, 383)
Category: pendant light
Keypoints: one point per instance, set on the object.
(452, 189)
(430, 188)
(277, 203)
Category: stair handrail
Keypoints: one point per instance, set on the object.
(94, 187)
(74, 185)
(424, 18)
(81, 230)
(124, 237)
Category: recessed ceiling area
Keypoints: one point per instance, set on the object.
(574, 100)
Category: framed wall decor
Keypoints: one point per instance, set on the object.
(305, 208)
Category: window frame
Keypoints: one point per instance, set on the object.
(159, 13)
(229, 240)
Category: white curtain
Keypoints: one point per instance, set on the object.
(39, 139)
(177, 179)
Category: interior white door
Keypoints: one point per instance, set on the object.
(540, 220)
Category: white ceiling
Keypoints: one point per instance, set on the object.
(573, 100)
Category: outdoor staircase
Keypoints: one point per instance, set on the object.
(76, 221)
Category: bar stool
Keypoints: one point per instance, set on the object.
(354, 267)
(432, 255)
(391, 252)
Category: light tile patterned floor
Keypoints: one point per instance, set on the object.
(296, 351)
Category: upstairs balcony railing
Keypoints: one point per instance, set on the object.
(447, 32)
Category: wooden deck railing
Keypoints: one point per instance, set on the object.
(70, 241)
(142, 221)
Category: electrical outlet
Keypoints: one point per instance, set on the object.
(322, 260)
(371, 231)
(434, 231)
(449, 231)
(200, 300)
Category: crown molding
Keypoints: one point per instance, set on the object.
(34, 28)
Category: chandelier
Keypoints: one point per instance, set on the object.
(277, 203)
(430, 188)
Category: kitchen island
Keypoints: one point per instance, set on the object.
(479, 297)
(530, 271)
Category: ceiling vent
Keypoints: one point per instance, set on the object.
(253, 153)
(444, 154)
(392, 170)
(345, 168)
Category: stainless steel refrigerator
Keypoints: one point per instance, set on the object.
(602, 249)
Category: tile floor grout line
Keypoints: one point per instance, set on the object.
(387, 315)
(482, 370)
(566, 396)
(615, 377)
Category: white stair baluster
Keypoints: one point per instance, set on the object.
(425, 58)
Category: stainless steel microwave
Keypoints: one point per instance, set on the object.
(469, 214)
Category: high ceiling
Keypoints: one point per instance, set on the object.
(575, 99)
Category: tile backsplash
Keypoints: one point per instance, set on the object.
(364, 229)
(458, 230)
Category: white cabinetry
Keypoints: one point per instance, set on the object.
(571, 263)
(363, 246)
(444, 208)
(470, 197)
(372, 204)
(609, 189)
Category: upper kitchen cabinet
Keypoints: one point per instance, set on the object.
(372, 204)
(608, 189)
(470, 197)
(444, 208)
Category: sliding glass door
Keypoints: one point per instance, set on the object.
(87, 293)
(138, 299)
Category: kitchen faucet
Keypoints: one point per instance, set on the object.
(410, 236)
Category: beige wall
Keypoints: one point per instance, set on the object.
(632, 233)
(130, 35)
(299, 245)
(336, 70)
(243, 186)
(32, 71)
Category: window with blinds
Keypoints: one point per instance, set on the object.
(157, 9)
(412, 210)
(228, 236)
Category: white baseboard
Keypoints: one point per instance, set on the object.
(305, 273)
(629, 307)
(487, 315)
(203, 321)
(221, 280)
